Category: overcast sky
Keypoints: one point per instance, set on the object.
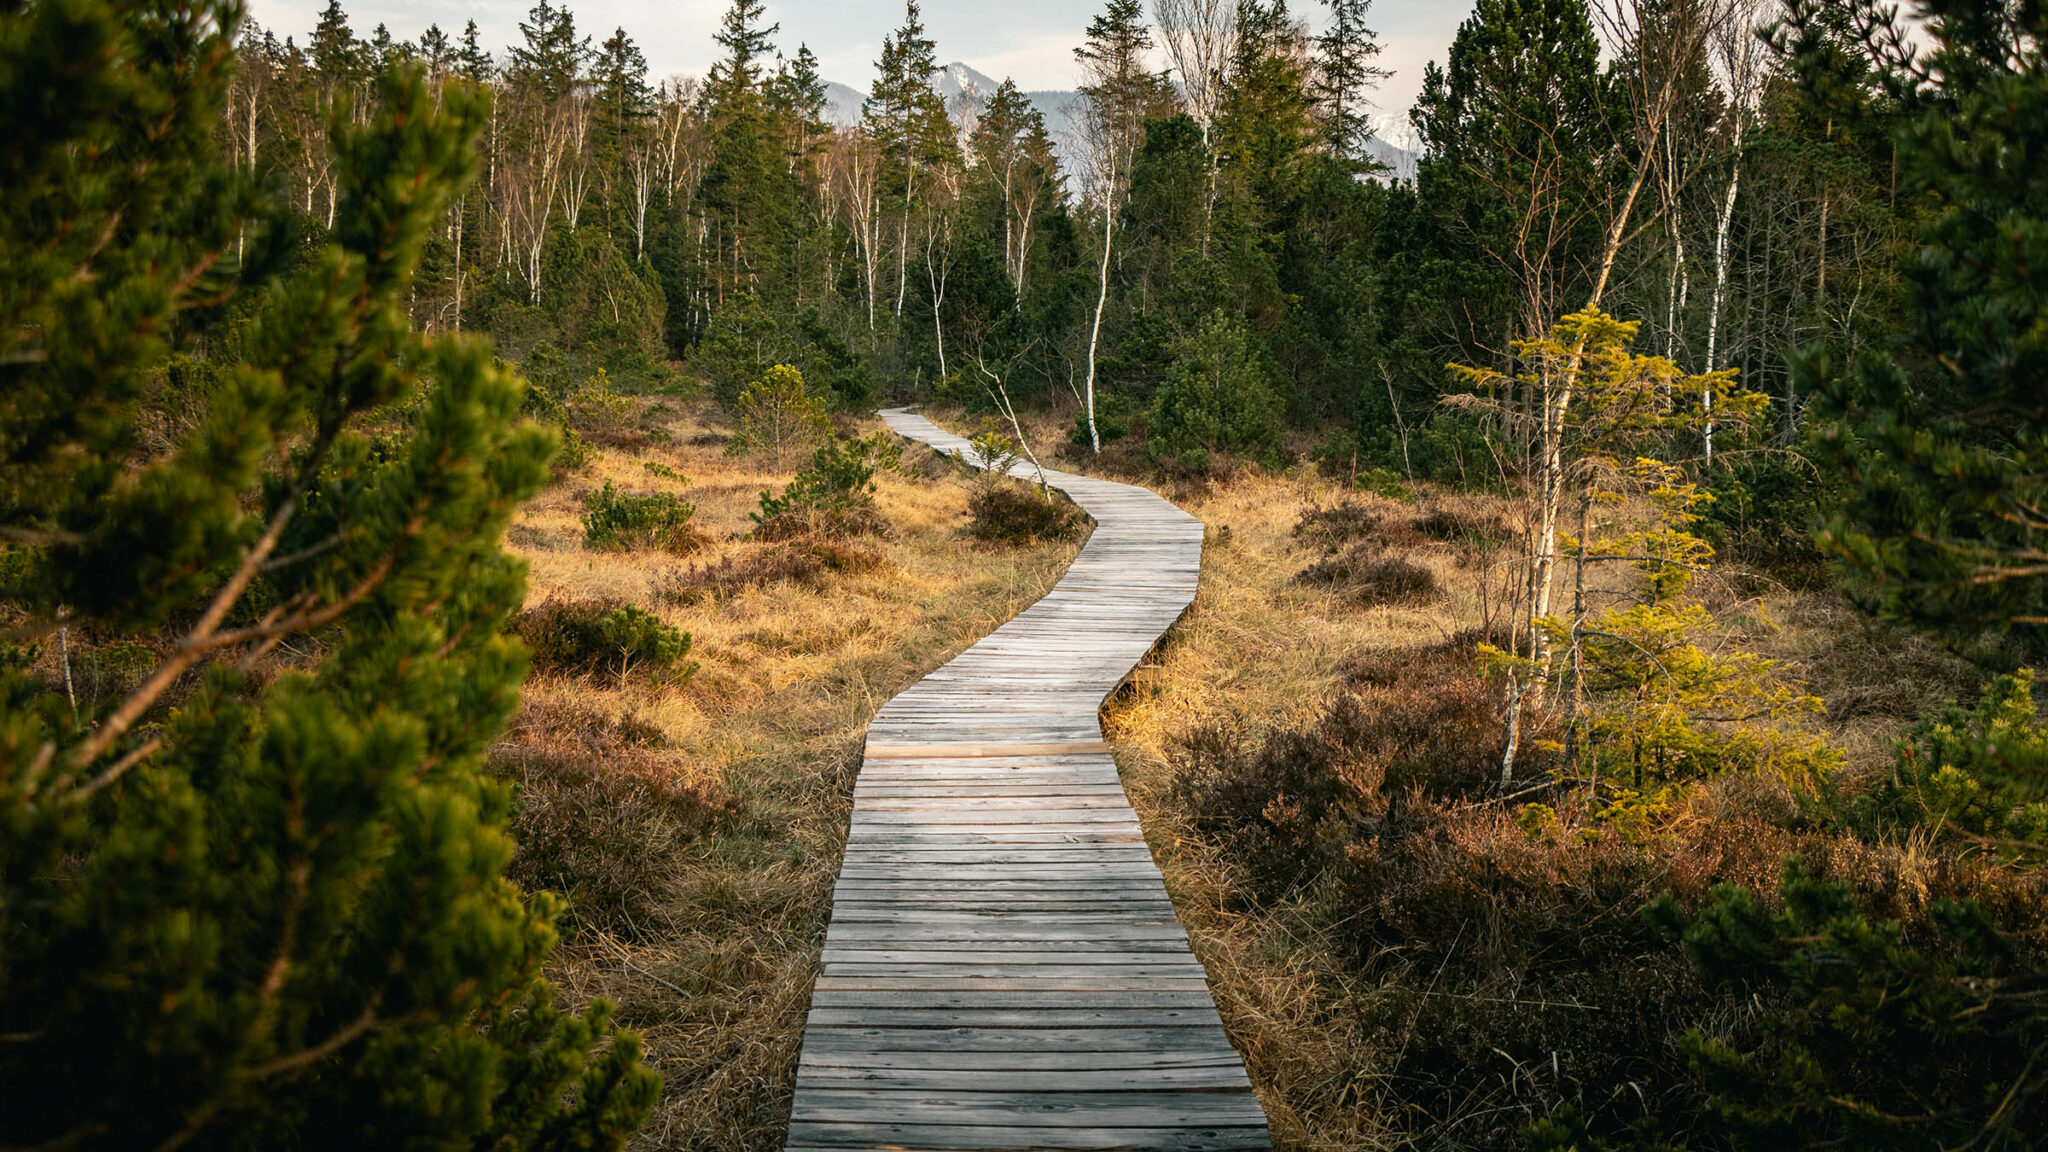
(1031, 41)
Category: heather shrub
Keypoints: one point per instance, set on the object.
(1017, 512)
(615, 520)
(603, 637)
(1372, 577)
(1329, 528)
(1457, 526)
(809, 561)
(599, 814)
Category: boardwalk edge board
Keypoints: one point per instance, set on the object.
(1003, 969)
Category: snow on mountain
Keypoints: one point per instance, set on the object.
(962, 86)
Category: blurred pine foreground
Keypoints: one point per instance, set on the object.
(447, 562)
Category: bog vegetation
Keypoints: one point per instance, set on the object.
(445, 563)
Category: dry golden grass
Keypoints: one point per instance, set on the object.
(726, 800)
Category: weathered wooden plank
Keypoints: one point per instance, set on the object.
(838, 1137)
(1033, 1109)
(1194, 1039)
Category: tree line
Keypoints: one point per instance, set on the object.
(1221, 220)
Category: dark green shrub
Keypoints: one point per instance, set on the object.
(540, 404)
(835, 495)
(1871, 1037)
(614, 520)
(603, 636)
(1218, 397)
(1974, 775)
(260, 903)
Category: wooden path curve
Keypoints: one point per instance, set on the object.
(1003, 969)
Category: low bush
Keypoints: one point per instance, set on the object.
(615, 520)
(835, 495)
(1510, 977)
(1371, 577)
(808, 561)
(604, 637)
(1458, 526)
(600, 818)
(1016, 512)
(777, 416)
(1329, 528)
(574, 454)
(1409, 726)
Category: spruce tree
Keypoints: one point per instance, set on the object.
(473, 60)
(1344, 70)
(552, 56)
(1513, 127)
(746, 193)
(249, 901)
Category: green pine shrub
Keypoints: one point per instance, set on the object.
(1875, 1034)
(1975, 776)
(1218, 397)
(616, 521)
(604, 637)
(835, 495)
(254, 903)
(575, 454)
(777, 416)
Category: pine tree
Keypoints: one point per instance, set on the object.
(1513, 125)
(907, 121)
(337, 55)
(1344, 70)
(472, 60)
(746, 193)
(253, 904)
(552, 56)
(436, 52)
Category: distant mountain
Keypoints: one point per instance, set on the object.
(842, 104)
(958, 83)
(1400, 161)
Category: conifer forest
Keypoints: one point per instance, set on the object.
(450, 558)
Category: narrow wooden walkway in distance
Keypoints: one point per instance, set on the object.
(1003, 969)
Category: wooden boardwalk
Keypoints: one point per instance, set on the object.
(1003, 969)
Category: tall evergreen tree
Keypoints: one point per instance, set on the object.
(1513, 126)
(250, 905)
(746, 193)
(1344, 70)
(905, 117)
(551, 56)
(472, 60)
